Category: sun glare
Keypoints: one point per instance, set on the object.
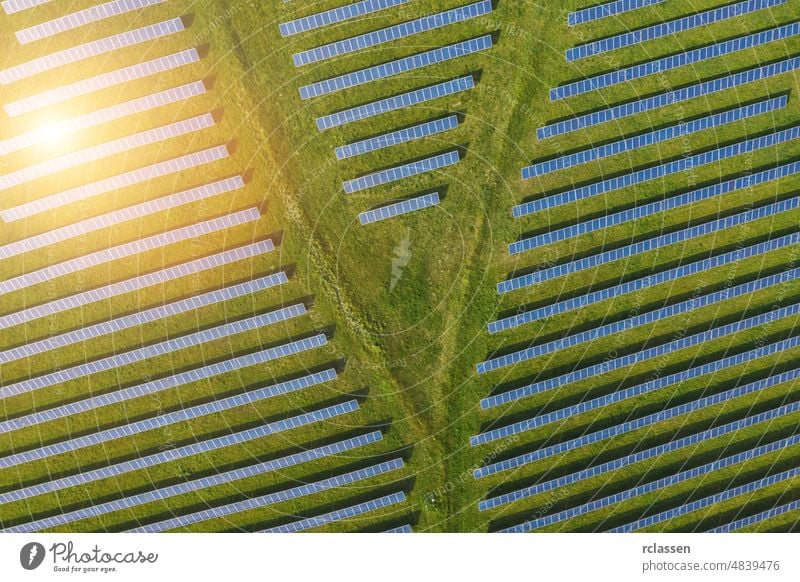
(52, 133)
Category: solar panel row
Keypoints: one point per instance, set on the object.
(397, 67)
(392, 33)
(340, 14)
(660, 66)
(608, 9)
(401, 172)
(617, 464)
(627, 393)
(757, 518)
(130, 249)
(705, 88)
(142, 317)
(154, 387)
(206, 446)
(81, 18)
(90, 49)
(641, 356)
(629, 426)
(138, 355)
(399, 208)
(397, 137)
(634, 321)
(13, 6)
(121, 216)
(642, 283)
(334, 516)
(394, 103)
(656, 172)
(124, 180)
(683, 128)
(100, 82)
(668, 28)
(660, 484)
(647, 245)
(400, 529)
(105, 115)
(137, 283)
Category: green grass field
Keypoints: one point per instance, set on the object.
(404, 302)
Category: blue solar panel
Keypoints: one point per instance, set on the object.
(635, 321)
(647, 245)
(401, 172)
(628, 460)
(339, 515)
(658, 172)
(669, 28)
(394, 103)
(653, 137)
(608, 9)
(642, 283)
(757, 518)
(340, 14)
(400, 529)
(668, 98)
(397, 137)
(661, 483)
(396, 32)
(392, 68)
(182, 488)
(399, 208)
(713, 499)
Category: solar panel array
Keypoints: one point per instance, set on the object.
(401, 172)
(757, 518)
(394, 138)
(14, 6)
(397, 67)
(404, 207)
(608, 9)
(336, 15)
(400, 529)
(392, 33)
(669, 28)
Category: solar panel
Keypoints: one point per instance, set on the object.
(13, 6)
(401, 172)
(394, 103)
(142, 317)
(660, 66)
(668, 98)
(206, 446)
(182, 488)
(271, 498)
(397, 137)
(757, 518)
(658, 485)
(713, 499)
(81, 18)
(399, 208)
(608, 9)
(106, 149)
(404, 30)
(656, 172)
(626, 461)
(626, 394)
(642, 283)
(121, 216)
(637, 357)
(90, 49)
(669, 28)
(337, 15)
(99, 82)
(105, 115)
(634, 321)
(632, 425)
(400, 529)
(155, 387)
(130, 249)
(647, 245)
(654, 137)
(340, 514)
(397, 67)
(137, 283)
(124, 180)
(223, 331)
